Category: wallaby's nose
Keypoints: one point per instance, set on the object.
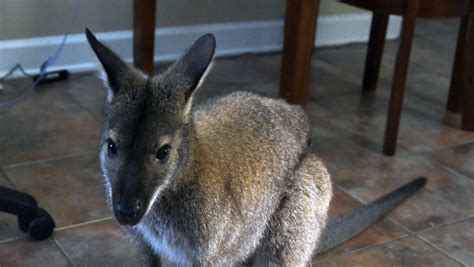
(129, 210)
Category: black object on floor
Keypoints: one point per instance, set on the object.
(31, 219)
(51, 76)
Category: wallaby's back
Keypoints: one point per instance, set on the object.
(248, 147)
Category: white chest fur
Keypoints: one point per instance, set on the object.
(163, 246)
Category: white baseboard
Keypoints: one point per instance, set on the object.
(233, 39)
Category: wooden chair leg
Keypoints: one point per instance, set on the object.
(399, 78)
(298, 43)
(468, 76)
(378, 31)
(144, 34)
(455, 90)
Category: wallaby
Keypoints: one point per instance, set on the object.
(227, 182)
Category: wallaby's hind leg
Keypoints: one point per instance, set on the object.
(294, 230)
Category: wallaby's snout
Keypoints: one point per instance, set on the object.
(128, 202)
(130, 195)
(128, 211)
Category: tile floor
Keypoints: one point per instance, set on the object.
(48, 148)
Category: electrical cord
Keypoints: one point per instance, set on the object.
(12, 70)
(44, 66)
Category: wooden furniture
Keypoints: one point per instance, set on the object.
(298, 43)
(300, 29)
(410, 10)
(144, 13)
(297, 54)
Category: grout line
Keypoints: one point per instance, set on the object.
(73, 99)
(82, 224)
(9, 181)
(361, 201)
(63, 251)
(401, 225)
(440, 34)
(12, 239)
(398, 223)
(327, 66)
(440, 250)
(371, 160)
(424, 67)
(448, 168)
(366, 248)
(403, 236)
(446, 224)
(364, 202)
(439, 149)
(410, 232)
(32, 162)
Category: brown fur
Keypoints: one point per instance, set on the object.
(239, 184)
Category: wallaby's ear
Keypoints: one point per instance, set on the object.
(194, 63)
(114, 66)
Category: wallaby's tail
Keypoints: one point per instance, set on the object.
(346, 226)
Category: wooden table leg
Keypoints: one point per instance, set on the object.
(144, 34)
(455, 90)
(399, 78)
(298, 43)
(378, 31)
(468, 79)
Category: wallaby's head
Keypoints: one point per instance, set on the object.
(146, 126)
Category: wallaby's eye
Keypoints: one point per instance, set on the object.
(163, 152)
(111, 148)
